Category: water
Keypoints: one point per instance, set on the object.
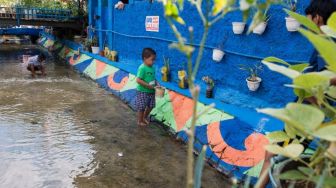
(64, 131)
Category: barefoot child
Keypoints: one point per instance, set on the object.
(35, 63)
(145, 98)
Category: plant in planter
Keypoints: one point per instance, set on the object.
(238, 27)
(114, 56)
(165, 70)
(107, 52)
(253, 81)
(183, 80)
(94, 45)
(260, 28)
(210, 85)
(87, 45)
(291, 23)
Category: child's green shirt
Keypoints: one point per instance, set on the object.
(146, 74)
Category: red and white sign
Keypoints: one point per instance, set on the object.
(152, 23)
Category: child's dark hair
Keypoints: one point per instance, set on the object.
(148, 52)
(324, 8)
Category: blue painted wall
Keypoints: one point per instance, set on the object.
(240, 49)
(20, 31)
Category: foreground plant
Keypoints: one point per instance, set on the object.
(313, 121)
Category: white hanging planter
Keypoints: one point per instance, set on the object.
(238, 27)
(260, 28)
(95, 49)
(217, 55)
(77, 38)
(253, 85)
(292, 24)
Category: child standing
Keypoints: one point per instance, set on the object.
(145, 98)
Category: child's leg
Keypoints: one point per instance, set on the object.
(140, 118)
(31, 68)
(149, 107)
(141, 107)
(147, 112)
(43, 70)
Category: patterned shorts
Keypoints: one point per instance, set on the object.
(144, 100)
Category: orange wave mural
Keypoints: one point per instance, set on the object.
(114, 85)
(254, 145)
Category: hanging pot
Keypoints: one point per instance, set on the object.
(95, 49)
(253, 85)
(77, 38)
(260, 28)
(292, 24)
(238, 27)
(217, 55)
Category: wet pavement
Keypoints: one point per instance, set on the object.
(64, 131)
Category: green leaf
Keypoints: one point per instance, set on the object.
(291, 132)
(311, 81)
(282, 70)
(304, 21)
(277, 136)
(332, 91)
(219, 6)
(292, 150)
(332, 22)
(330, 28)
(302, 94)
(180, 3)
(306, 170)
(296, 67)
(328, 31)
(326, 133)
(179, 20)
(292, 175)
(327, 73)
(301, 116)
(171, 10)
(275, 60)
(186, 49)
(325, 47)
(299, 67)
(199, 168)
(330, 181)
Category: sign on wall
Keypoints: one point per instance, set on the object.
(152, 23)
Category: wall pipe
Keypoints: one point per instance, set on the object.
(197, 45)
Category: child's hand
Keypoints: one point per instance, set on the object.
(152, 83)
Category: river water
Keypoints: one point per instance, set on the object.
(64, 131)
